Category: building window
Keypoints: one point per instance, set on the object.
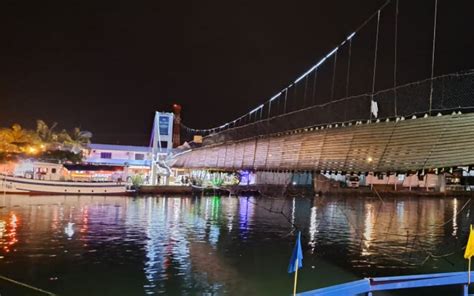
(106, 155)
(164, 144)
(139, 156)
(53, 171)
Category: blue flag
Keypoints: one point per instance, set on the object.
(297, 254)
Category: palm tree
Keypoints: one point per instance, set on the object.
(46, 133)
(76, 141)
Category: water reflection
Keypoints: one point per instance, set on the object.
(369, 224)
(455, 214)
(9, 232)
(313, 228)
(221, 245)
(246, 212)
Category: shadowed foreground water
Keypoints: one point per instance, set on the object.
(221, 245)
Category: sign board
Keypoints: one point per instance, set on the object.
(164, 125)
(197, 139)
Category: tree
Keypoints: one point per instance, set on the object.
(46, 133)
(76, 141)
(16, 139)
(44, 142)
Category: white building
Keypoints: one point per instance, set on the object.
(119, 155)
(132, 159)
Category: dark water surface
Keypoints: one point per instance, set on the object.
(221, 245)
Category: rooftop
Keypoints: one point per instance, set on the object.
(120, 147)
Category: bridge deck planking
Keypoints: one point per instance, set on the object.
(411, 144)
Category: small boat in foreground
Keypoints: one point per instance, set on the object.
(48, 178)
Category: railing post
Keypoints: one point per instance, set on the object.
(465, 290)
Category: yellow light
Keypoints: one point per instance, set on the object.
(42, 146)
(369, 159)
(32, 150)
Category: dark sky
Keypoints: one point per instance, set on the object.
(106, 66)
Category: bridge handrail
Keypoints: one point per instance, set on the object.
(451, 92)
(369, 285)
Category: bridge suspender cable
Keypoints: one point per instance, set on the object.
(334, 75)
(348, 75)
(433, 53)
(314, 86)
(375, 62)
(395, 60)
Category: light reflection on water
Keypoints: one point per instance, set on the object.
(222, 245)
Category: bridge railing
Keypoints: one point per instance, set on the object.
(369, 285)
(452, 92)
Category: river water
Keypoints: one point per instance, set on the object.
(85, 245)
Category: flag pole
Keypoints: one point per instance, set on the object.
(296, 277)
(469, 268)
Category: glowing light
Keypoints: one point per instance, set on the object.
(369, 159)
(32, 150)
(256, 109)
(332, 52)
(274, 97)
(316, 66)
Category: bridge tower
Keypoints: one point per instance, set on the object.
(161, 143)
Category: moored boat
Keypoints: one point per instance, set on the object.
(48, 178)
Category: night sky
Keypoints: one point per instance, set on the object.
(106, 66)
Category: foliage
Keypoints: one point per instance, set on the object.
(61, 155)
(217, 182)
(137, 180)
(44, 142)
(16, 139)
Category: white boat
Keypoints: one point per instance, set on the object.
(47, 178)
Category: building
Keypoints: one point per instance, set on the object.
(124, 155)
(126, 159)
(148, 162)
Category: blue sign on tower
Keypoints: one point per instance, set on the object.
(164, 124)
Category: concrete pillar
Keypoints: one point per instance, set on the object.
(442, 182)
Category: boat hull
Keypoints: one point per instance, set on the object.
(16, 185)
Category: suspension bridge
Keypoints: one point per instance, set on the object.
(422, 125)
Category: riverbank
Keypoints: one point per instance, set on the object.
(165, 189)
(308, 191)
